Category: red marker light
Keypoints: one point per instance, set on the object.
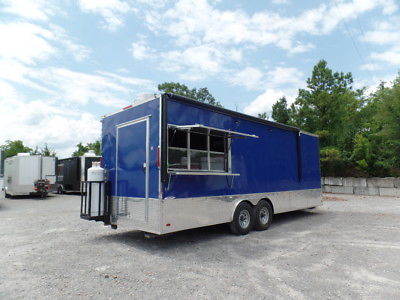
(158, 157)
(168, 224)
(126, 107)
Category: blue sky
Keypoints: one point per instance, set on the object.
(65, 63)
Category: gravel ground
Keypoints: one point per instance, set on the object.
(348, 248)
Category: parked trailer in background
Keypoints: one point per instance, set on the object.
(1, 170)
(71, 171)
(2, 157)
(26, 174)
(173, 163)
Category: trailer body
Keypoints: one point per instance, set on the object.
(71, 171)
(2, 157)
(174, 163)
(21, 172)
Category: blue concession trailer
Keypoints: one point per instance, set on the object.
(173, 163)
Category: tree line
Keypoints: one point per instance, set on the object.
(12, 148)
(359, 133)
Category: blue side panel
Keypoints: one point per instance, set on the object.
(133, 137)
(267, 164)
(310, 160)
(131, 155)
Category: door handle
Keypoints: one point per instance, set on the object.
(144, 166)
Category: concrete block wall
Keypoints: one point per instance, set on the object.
(375, 186)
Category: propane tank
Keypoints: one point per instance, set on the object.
(96, 193)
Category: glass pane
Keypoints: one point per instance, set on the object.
(177, 138)
(217, 143)
(217, 162)
(177, 158)
(198, 141)
(198, 160)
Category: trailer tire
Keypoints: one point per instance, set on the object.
(263, 215)
(60, 190)
(242, 221)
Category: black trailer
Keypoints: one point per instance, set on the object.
(71, 171)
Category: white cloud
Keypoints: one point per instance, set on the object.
(197, 21)
(391, 56)
(210, 40)
(250, 78)
(383, 32)
(104, 88)
(64, 124)
(280, 1)
(281, 76)
(370, 67)
(386, 33)
(373, 83)
(30, 43)
(264, 102)
(57, 112)
(140, 50)
(39, 121)
(25, 42)
(112, 11)
(38, 10)
(279, 82)
(194, 63)
(79, 52)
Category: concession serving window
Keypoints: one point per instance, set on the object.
(200, 150)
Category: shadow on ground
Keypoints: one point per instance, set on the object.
(30, 197)
(183, 239)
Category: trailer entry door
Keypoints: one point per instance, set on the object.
(132, 161)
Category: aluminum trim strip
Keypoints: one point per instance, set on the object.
(184, 127)
(203, 173)
(141, 119)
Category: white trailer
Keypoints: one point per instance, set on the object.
(26, 174)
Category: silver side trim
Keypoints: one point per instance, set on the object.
(186, 213)
(308, 133)
(159, 156)
(132, 121)
(175, 214)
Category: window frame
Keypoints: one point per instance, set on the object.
(188, 169)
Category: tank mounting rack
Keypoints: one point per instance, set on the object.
(92, 191)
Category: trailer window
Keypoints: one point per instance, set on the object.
(177, 138)
(197, 150)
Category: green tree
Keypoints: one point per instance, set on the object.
(82, 149)
(383, 129)
(12, 148)
(201, 94)
(329, 107)
(45, 151)
(281, 113)
(263, 116)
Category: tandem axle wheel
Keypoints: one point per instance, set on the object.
(247, 217)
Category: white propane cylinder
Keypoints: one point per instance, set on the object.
(96, 193)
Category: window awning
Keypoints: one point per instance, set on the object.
(203, 129)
